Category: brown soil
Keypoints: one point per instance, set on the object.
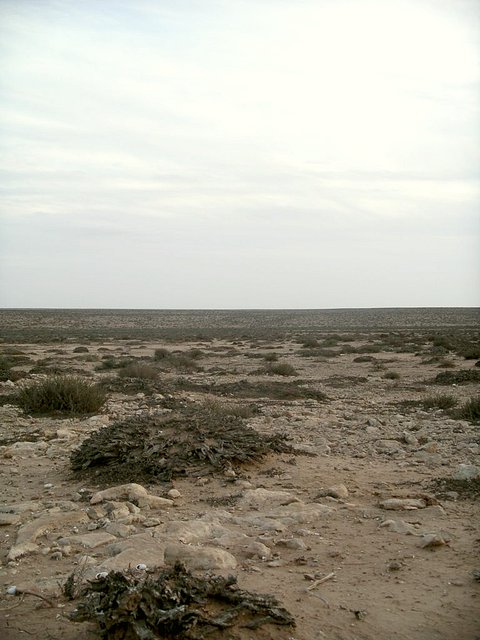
(385, 585)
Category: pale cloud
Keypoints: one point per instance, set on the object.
(281, 153)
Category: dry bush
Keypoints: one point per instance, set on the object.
(139, 370)
(62, 394)
(391, 375)
(470, 410)
(439, 401)
(281, 369)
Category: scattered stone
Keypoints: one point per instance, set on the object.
(400, 526)
(402, 504)
(466, 472)
(199, 558)
(89, 540)
(7, 519)
(174, 494)
(338, 491)
(432, 540)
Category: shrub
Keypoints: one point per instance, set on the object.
(310, 343)
(439, 401)
(63, 394)
(463, 376)
(161, 354)
(364, 359)
(392, 375)
(224, 408)
(138, 370)
(471, 410)
(281, 369)
(270, 357)
(80, 350)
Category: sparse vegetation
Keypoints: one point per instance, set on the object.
(391, 375)
(463, 376)
(470, 410)
(443, 401)
(281, 369)
(139, 370)
(61, 394)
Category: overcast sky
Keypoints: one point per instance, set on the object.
(240, 153)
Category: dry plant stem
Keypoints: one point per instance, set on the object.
(321, 581)
(14, 606)
(27, 592)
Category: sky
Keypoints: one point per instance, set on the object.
(176, 154)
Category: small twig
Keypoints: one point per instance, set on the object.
(17, 604)
(315, 584)
(318, 595)
(27, 592)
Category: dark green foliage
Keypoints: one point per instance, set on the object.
(61, 394)
(463, 376)
(189, 441)
(173, 603)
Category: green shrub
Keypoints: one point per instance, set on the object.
(270, 357)
(310, 343)
(281, 369)
(471, 410)
(224, 408)
(463, 376)
(80, 350)
(392, 375)
(161, 354)
(62, 394)
(138, 370)
(439, 401)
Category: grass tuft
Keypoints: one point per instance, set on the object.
(61, 394)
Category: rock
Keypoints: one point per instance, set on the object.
(399, 526)
(258, 550)
(22, 507)
(138, 549)
(27, 535)
(432, 540)
(338, 491)
(7, 519)
(194, 530)
(199, 558)
(399, 504)
(88, 540)
(466, 472)
(292, 543)
(174, 494)
(120, 530)
(131, 491)
(299, 513)
(154, 502)
(255, 498)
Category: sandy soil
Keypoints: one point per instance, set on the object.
(382, 584)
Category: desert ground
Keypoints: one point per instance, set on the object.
(329, 459)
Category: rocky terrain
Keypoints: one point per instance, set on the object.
(366, 526)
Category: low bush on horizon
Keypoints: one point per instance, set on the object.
(61, 394)
(391, 375)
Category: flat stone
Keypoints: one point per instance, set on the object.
(194, 530)
(7, 519)
(199, 558)
(299, 513)
(89, 540)
(22, 507)
(399, 526)
(130, 491)
(255, 498)
(467, 472)
(399, 504)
